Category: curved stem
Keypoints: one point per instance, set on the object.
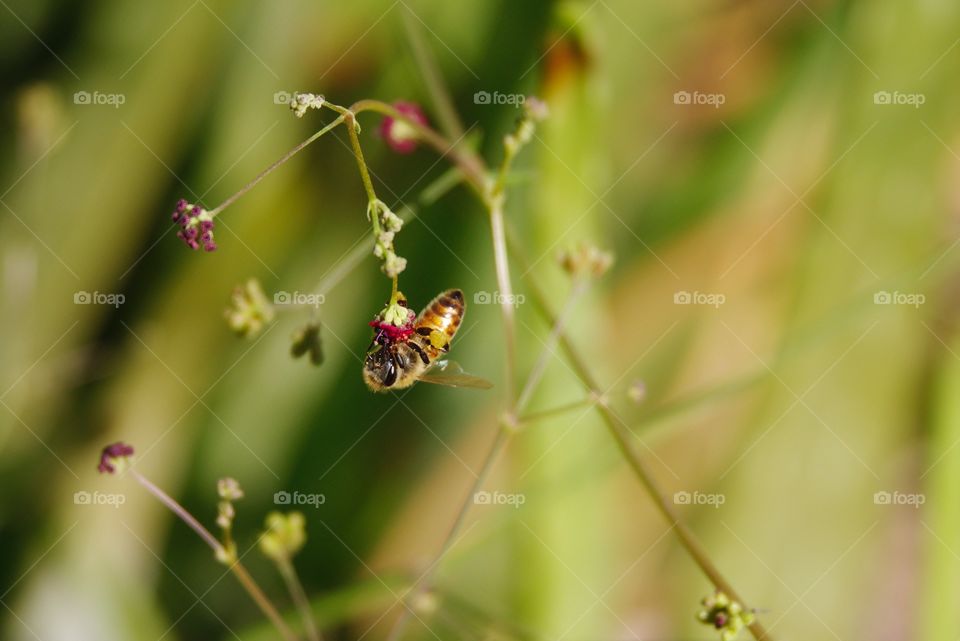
(468, 162)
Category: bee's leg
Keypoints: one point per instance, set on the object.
(439, 341)
(419, 351)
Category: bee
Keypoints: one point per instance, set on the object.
(398, 357)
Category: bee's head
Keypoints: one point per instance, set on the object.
(380, 366)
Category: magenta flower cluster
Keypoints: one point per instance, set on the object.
(196, 226)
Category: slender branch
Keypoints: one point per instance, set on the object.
(422, 584)
(289, 574)
(579, 287)
(351, 120)
(506, 294)
(471, 164)
(178, 510)
(430, 194)
(533, 417)
(239, 571)
(263, 174)
(506, 429)
(623, 439)
(266, 606)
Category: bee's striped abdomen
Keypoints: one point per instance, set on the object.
(439, 321)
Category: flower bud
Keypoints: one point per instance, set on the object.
(401, 137)
(301, 102)
(113, 457)
(249, 309)
(585, 259)
(229, 489)
(284, 536)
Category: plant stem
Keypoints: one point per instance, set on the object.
(423, 583)
(468, 162)
(533, 417)
(506, 293)
(289, 574)
(506, 429)
(623, 439)
(239, 571)
(263, 174)
(358, 153)
(579, 287)
(431, 193)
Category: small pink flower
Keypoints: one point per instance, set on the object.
(401, 137)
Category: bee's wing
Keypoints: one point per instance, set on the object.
(452, 375)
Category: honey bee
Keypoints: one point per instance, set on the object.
(398, 357)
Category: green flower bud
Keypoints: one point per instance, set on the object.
(249, 309)
(284, 536)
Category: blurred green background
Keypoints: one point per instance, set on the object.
(818, 395)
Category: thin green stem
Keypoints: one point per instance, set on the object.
(295, 587)
(579, 287)
(553, 412)
(624, 441)
(506, 429)
(263, 174)
(266, 606)
(239, 571)
(504, 432)
(469, 163)
(505, 288)
(349, 116)
(431, 193)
